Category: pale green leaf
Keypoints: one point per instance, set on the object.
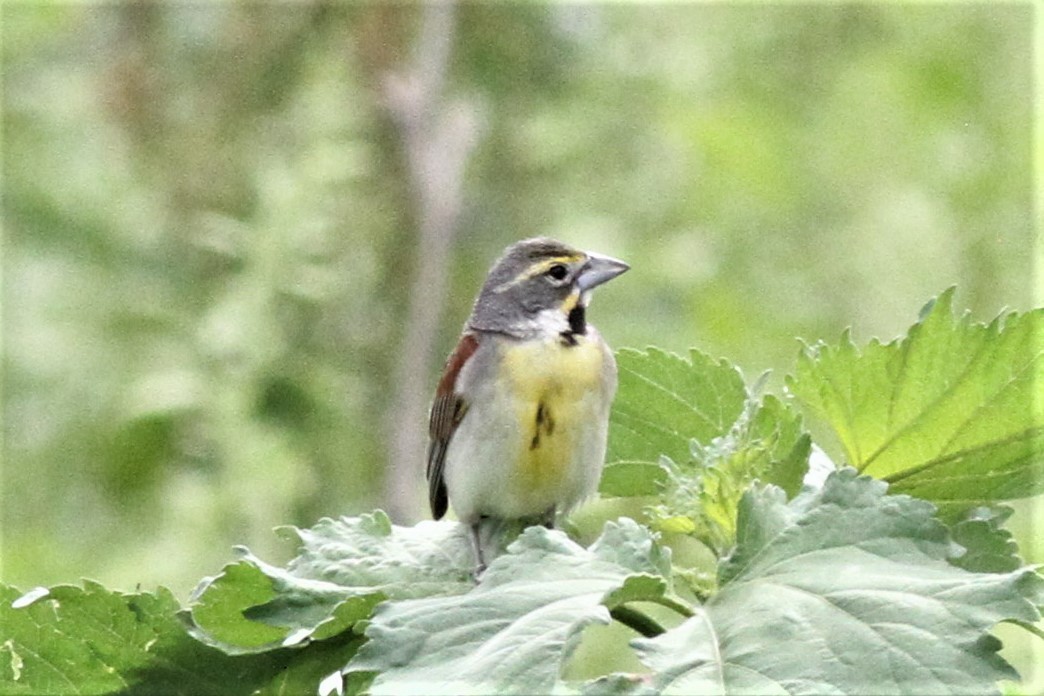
(617, 683)
(953, 412)
(986, 546)
(844, 590)
(369, 551)
(512, 632)
(344, 569)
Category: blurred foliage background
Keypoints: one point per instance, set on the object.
(218, 236)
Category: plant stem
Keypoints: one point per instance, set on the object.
(632, 618)
(676, 604)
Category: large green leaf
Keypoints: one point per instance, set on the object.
(90, 640)
(369, 551)
(344, 568)
(512, 633)
(844, 590)
(663, 402)
(70, 640)
(953, 412)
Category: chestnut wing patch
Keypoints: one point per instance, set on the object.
(447, 410)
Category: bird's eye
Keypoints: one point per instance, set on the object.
(558, 271)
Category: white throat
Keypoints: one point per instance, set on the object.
(548, 322)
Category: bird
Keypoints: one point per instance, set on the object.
(518, 423)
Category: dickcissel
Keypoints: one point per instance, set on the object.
(518, 424)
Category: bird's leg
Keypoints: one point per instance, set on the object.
(476, 546)
(548, 518)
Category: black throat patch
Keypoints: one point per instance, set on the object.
(577, 325)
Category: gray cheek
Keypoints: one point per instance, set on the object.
(532, 302)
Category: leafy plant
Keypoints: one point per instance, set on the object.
(885, 576)
(952, 412)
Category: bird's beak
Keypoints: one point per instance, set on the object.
(599, 269)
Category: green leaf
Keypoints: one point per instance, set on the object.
(70, 640)
(344, 569)
(765, 443)
(687, 660)
(369, 551)
(631, 546)
(512, 632)
(664, 401)
(217, 615)
(690, 431)
(842, 590)
(90, 640)
(952, 412)
(986, 546)
(619, 683)
(630, 479)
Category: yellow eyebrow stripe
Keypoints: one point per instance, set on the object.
(539, 268)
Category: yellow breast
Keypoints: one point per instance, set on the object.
(555, 387)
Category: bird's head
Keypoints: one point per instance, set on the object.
(541, 286)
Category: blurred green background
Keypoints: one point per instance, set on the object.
(240, 238)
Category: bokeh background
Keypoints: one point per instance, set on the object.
(240, 238)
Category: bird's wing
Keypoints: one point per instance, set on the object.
(447, 410)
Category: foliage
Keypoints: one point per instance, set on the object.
(207, 240)
(207, 237)
(854, 578)
(512, 632)
(841, 586)
(344, 569)
(90, 640)
(951, 413)
(692, 429)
